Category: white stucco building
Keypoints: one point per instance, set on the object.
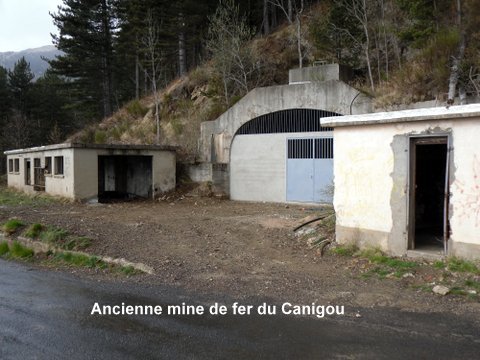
(82, 172)
(409, 180)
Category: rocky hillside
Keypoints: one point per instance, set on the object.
(186, 102)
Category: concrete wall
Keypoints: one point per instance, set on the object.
(86, 170)
(199, 172)
(163, 171)
(336, 96)
(258, 166)
(60, 185)
(371, 183)
(320, 73)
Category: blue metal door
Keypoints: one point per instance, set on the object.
(310, 170)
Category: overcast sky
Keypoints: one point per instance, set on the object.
(26, 24)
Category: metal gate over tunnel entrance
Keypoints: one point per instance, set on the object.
(285, 156)
(310, 170)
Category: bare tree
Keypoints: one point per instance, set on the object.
(266, 20)
(457, 61)
(293, 14)
(150, 42)
(182, 57)
(359, 11)
(227, 37)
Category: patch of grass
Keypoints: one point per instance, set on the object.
(381, 271)
(458, 291)
(9, 197)
(4, 248)
(439, 264)
(34, 231)
(387, 265)
(61, 238)
(11, 226)
(345, 250)
(17, 250)
(423, 287)
(129, 270)
(377, 257)
(79, 260)
(473, 284)
(459, 265)
(53, 235)
(100, 137)
(90, 261)
(77, 243)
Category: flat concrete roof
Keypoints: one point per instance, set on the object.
(91, 146)
(436, 113)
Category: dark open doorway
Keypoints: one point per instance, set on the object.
(428, 228)
(124, 177)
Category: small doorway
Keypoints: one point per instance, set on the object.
(429, 193)
(38, 175)
(28, 172)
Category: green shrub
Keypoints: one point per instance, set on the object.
(136, 109)
(176, 126)
(345, 250)
(100, 137)
(79, 260)
(77, 243)
(4, 249)
(34, 231)
(88, 135)
(53, 235)
(17, 250)
(215, 110)
(11, 226)
(128, 270)
(199, 77)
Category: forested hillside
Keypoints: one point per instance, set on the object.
(154, 69)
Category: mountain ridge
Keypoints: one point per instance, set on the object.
(35, 56)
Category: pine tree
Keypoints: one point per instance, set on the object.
(49, 108)
(20, 84)
(4, 96)
(86, 36)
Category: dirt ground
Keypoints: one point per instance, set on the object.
(238, 249)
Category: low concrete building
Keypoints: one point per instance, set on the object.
(83, 172)
(408, 181)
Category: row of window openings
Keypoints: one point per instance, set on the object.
(14, 165)
(310, 148)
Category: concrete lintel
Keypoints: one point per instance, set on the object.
(438, 113)
(91, 146)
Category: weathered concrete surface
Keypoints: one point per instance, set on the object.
(324, 72)
(199, 172)
(335, 96)
(361, 237)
